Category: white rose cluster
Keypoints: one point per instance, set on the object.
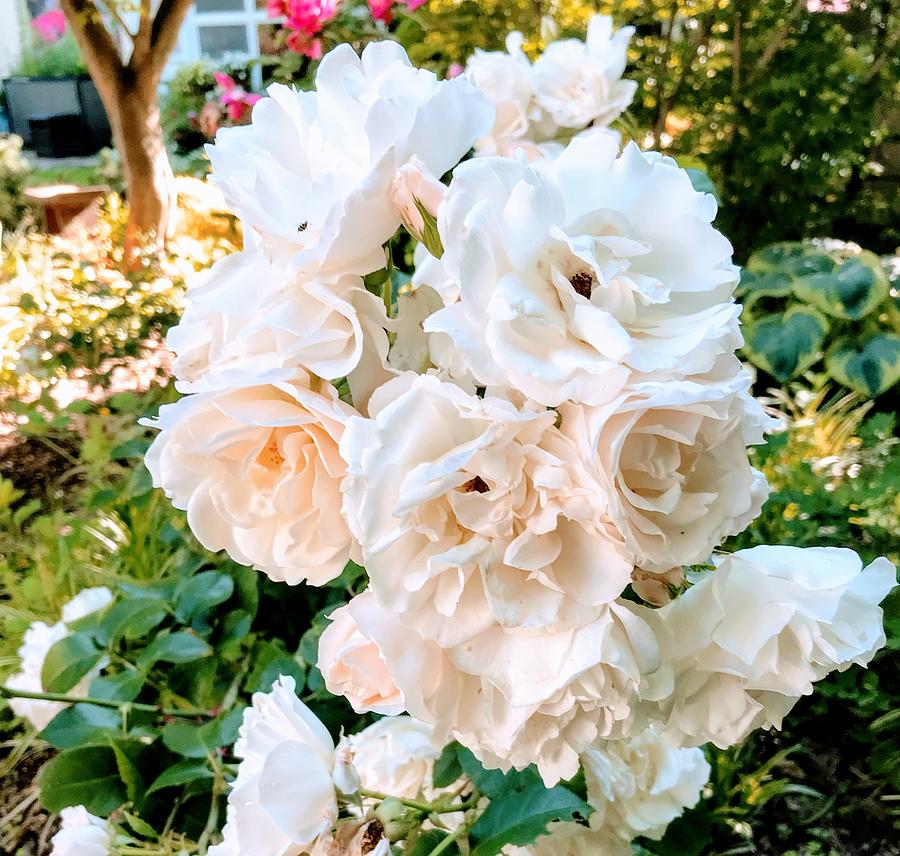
(39, 638)
(550, 411)
(574, 87)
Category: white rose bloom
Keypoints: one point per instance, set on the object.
(578, 273)
(246, 311)
(351, 662)
(395, 756)
(471, 511)
(86, 602)
(284, 794)
(39, 638)
(82, 834)
(638, 786)
(312, 174)
(572, 839)
(670, 460)
(504, 77)
(581, 82)
(751, 638)
(258, 471)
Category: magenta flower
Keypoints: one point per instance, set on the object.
(836, 7)
(381, 10)
(234, 98)
(51, 25)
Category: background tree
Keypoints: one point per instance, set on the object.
(127, 66)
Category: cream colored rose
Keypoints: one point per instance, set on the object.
(351, 662)
(752, 637)
(638, 786)
(471, 511)
(257, 469)
(671, 461)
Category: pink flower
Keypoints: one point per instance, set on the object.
(455, 70)
(381, 10)
(227, 83)
(276, 8)
(51, 25)
(836, 7)
(309, 16)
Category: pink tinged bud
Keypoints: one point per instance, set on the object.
(414, 182)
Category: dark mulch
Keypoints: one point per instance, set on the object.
(25, 826)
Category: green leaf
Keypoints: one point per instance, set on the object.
(132, 619)
(447, 768)
(202, 592)
(180, 774)
(852, 290)
(141, 827)
(426, 841)
(68, 661)
(180, 647)
(785, 345)
(85, 775)
(193, 740)
(870, 368)
(80, 724)
(128, 769)
(519, 816)
(122, 687)
(767, 284)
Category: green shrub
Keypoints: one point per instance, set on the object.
(821, 304)
(14, 172)
(61, 58)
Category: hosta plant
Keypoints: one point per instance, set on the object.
(825, 305)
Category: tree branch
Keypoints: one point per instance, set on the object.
(164, 34)
(101, 55)
(143, 36)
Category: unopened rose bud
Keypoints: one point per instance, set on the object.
(345, 776)
(398, 820)
(418, 195)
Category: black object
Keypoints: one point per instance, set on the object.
(35, 96)
(56, 135)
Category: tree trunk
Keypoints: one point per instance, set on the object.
(149, 181)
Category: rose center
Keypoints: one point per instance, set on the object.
(270, 457)
(477, 484)
(582, 282)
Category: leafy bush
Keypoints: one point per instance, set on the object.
(61, 58)
(805, 303)
(14, 172)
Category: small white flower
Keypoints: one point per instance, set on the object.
(638, 786)
(284, 795)
(751, 638)
(578, 82)
(39, 638)
(572, 839)
(395, 756)
(82, 834)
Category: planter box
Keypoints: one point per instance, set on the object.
(29, 96)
